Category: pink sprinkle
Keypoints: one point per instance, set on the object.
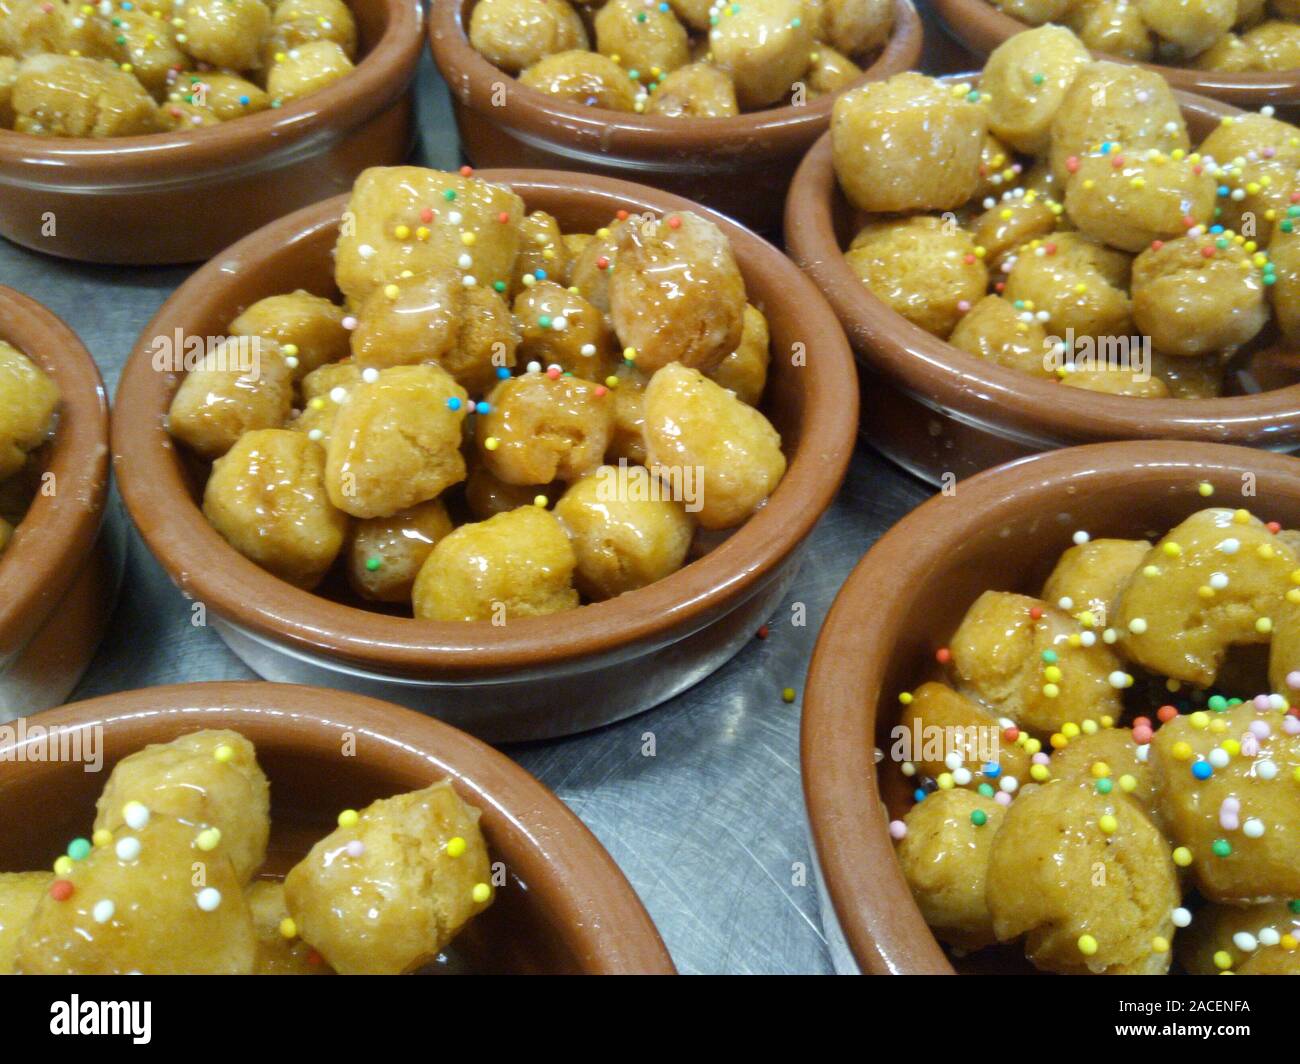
(1002, 798)
(1291, 725)
(897, 830)
(1260, 729)
(553, 372)
(1142, 734)
(1293, 680)
(964, 305)
(1262, 702)
(1228, 818)
(355, 848)
(1041, 758)
(349, 323)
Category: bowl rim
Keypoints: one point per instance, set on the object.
(849, 822)
(981, 27)
(598, 912)
(155, 158)
(771, 132)
(51, 543)
(958, 383)
(184, 543)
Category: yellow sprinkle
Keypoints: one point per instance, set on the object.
(1089, 727)
(1074, 639)
(611, 381)
(1052, 674)
(1059, 741)
(1032, 746)
(468, 239)
(1263, 625)
(481, 893)
(1171, 549)
(1290, 942)
(1160, 944)
(1217, 727)
(1039, 773)
(1205, 591)
(629, 353)
(1232, 746)
(1050, 690)
(1070, 730)
(63, 866)
(1223, 960)
(1183, 857)
(208, 839)
(288, 929)
(317, 403)
(1199, 719)
(1100, 770)
(391, 291)
(1205, 489)
(1087, 618)
(1182, 751)
(491, 443)
(455, 846)
(102, 837)
(422, 233)
(349, 818)
(224, 753)
(1087, 945)
(540, 500)
(1265, 551)
(1108, 824)
(945, 781)
(906, 698)
(1242, 517)
(402, 232)
(1127, 784)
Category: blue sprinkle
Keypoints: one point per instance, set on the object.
(502, 373)
(919, 794)
(540, 274)
(992, 770)
(1216, 229)
(482, 408)
(453, 403)
(243, 100)
(1223, 190)
(1202, 770)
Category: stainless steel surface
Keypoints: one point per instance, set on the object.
(699, 800)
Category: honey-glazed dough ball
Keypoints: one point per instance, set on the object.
(1190, 378)
(1116, 380)
(936, 709)
(559, 327)
(241, 384)
(396, 441)
(487, 342)
(267, 498)
(514, 34)
(855, 27)
(1090, 576)
(744, 371)
(1284, 647)
(1239, 820)
(1131, 205)
(995, 169)
(1193, 297)
(148, 44)
(225, 33)
(627, 437)
(1193, 25)
(324, 391)
(20, 893)
(206, 779)
(1113, 27)
(587, 79)
(225, 95)
(33, 27)
(1229, 55)
(308, 328)
(408, 321)
(1026, 78)
(486, 496)
(381, 235)
(1013, 221)
(276, 953)
(695, 13)
(1078, 282)
(1011, 652)
(996, 332)
(1216, 580)
(1252, 12)
(544, 428)
(1087, 878)
(880, 129)
(1243, 134)
(945, 860)
(677, 294)
(1111, 754)
(386, 893)
(643, 36)
(1248, 940)
(306, 69)
(385, 553)
(830, 71)
(1260, 155)
(516, 564)
(70, 96)
(1036, 12)
(593, 266)
(924, 268)
(541, 248)
(764, 45)
(1275, 44)
(693, 424)
(626, 528)
(1116, 103)
(697, 90)
(152, 901)
(295, 22)
(28, 400)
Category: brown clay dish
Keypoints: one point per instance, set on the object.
(534, 677)
(57, 579)
(741, 166)
(1002, 530)
(938, 410)
(566, 907)
(182, 197)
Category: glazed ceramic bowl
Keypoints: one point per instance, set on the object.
(565, 908)
(534, 677)
(1001, 530)
(182, 197)
(981, 27)
(58, 578)
(741, 166)
(941, 412)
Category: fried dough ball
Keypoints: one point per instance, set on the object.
(514, 34)
(206, 779)
(544, 428)
(20, 894)
(627, 530)
(593, 266)
(267, 497)
(1036, 12)
(1239, 820)
(1131, 205)
(408, 321)
(880, 129)
(1189, 378)
(148, 44)
(924, 267)
(855, 27)
(487, 496)
(31, 27)
(936, 709)
(643, 36)
(1111, 754)
(28, 400)
(1262, 154)
(588, 79)
(1193, 297)
(695, 13)
(152, 901)
(226, 33)
(1116, 380)
(998, 657)
(994, 169)
(1086, 877)
(308, 328)
(1193, 25)
(6, 533)
(830, 71)
(307, 68)
(1090, 576)
(324, 391)
(744, 371)
(996, 332)
(1079, 283)
(396, 441)
(241, 384)
(276, 954)
(1012, 222)
(627, 437)
(559, 327)
(516, 564)
(696, 90)
(1248, 941)
(487, 342)
(1276, 45)
(295, 22)
(945, 860)
(225, 95)
(386, 893)
(1284, 647)
(1026, 78)
(541, 248)
(71, 96)
(1113, 27)
(1216, 580)
(677, 294)
(764, 45)
(1229, 55)
(385, 553)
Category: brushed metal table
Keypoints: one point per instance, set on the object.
(710, 829)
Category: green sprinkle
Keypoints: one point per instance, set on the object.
(79, 849)
(449, 195)
(544, 321)
(1104, 786)
(1294, 906)
(372, 564)
(1221, 848)
(500, 286)
(1049, 656)
(1217, 703)
(979, 818)
(1039, 79)
(986, 790)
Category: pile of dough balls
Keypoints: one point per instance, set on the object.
(29, 402)
(1229, 36)
(1058, 220)
(382, 894)
(120, 68)
(1107, 774)
(502, 420)
(682, 58)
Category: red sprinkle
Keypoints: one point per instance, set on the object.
(315, 958)
(1198, 169)
(1188, 221)
(600, 390)
(1001, 286)
(1273, 527)
(1118, 162)
(1166, 714)
(969, 259)
(621, 216)
(553, 373)
(763, 631)
(1207, 252)
(466, 171)
(1142, 734)
(1141, 722)
(426, 215)
(674, 222)
(1036, 612)
(1050, 249)
(1295, 197)
(943, 655)
(602, 263)
(61, 890)
(1072, 164)
(1011, 734)
(1156, 245)
(503, 217)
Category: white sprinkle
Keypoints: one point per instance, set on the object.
(587, 350)
(454, 217)
(534, 367)
(366, 251)
(291, 361)
(208, 898)
(469, 280)
(370, 374)
(127, 849)
(1110, 637)
(103, 911)
(315, 435)
(1009, 784)
(465, 262)
(1218, 581)
(961, 776)
(1144, 752)
(559, 323)
(1229, 546)
(1266, 770)
(1219, 757)
(1269, 936)
(1245, 941)
(1119, 679)
(1065, 602)
(1080, 538)
(952, 762)
(1088, 639)
(908, 769)
(1182, 917)
(1253, 828)
(135, 815)
(1137, 625)
(339, 394)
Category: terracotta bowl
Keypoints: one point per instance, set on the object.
(741, 166)
(566, 907)
(941, 412)
(981, 27)
(58, 579)
(534, 677)
(182, 197)
(1002, 530)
